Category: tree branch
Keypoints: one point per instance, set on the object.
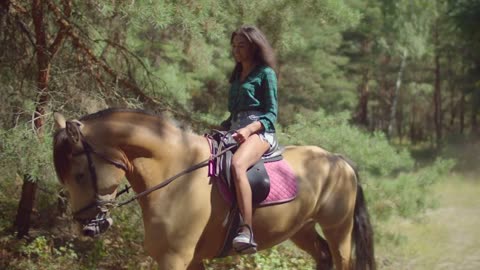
(77, 42)
(67, 11)
(19, 10)
(90, 58)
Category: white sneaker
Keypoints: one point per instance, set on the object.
(243, 243)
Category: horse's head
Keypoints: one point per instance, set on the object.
(90, 173)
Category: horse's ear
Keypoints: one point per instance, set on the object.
(59, 120)
(74, 131)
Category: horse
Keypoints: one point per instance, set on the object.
(184, 221)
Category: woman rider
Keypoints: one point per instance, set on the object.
(252, 103)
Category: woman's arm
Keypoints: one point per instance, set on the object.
(270, 104)
(243, 133)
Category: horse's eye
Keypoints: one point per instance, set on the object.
(79, 177)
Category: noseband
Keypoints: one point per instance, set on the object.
(101, 221)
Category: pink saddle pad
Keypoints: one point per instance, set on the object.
(283, 184)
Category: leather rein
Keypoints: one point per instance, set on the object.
(110, 204)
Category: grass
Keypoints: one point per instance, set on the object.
(447, 237)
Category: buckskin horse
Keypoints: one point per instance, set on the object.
(184, 221)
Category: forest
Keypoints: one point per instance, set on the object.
(393, 85)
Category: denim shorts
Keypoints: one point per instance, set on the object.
(245, 118)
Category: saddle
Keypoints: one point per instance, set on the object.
(257, 174)
(258, 178)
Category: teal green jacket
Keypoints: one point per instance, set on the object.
(258, 92)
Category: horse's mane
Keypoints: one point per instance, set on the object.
(107, 112)
(158, 117)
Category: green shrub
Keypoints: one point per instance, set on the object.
(408, 194)
(23, 152)
(371, 152)
(282, 257)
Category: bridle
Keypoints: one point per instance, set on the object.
(101, 204)
(105, 205)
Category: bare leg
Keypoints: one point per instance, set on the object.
(309, 240)
(247, 154)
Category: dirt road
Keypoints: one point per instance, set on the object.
(445, 238)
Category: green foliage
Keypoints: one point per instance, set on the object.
(41, 253)
(282, 257)
(372, 152)
(23, 152)
(185, 45)
(38, 247)
(54, 245)
(408, 194)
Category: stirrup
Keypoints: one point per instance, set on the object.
(243, 243)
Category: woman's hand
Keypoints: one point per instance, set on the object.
(241, 135)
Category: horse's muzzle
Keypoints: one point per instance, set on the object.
(97, 226)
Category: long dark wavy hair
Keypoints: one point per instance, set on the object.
(264, 54)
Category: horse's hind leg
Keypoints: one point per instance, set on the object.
(340, 242)
(309, 240)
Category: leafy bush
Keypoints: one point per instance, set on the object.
(23, 152)
(406, 195)
(282, 257)
(372, 152)
(39, 253)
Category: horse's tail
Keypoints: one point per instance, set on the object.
(362, 228)
(362, 233)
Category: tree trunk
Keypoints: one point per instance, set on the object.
(398, 83)
(437, 95)
(412, 118)
(29, 188)
(400, 124)
(453, 109)
(44, 56)
(362, 112)
(474, 121)
(385, 94)
(453, 103)
(43, 63)
(25, 207)
(361, 116)
(462, 113)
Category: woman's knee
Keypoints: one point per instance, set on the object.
(238, 167)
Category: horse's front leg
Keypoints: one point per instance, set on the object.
(169, 256)
(196, 266)
(173, 249)
(172, 260)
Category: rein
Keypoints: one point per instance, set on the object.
(171, 179)
(110, 204)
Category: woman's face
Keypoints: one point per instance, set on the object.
(242, 49)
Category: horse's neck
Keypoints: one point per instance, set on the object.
(155, 151)
(137, 135)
